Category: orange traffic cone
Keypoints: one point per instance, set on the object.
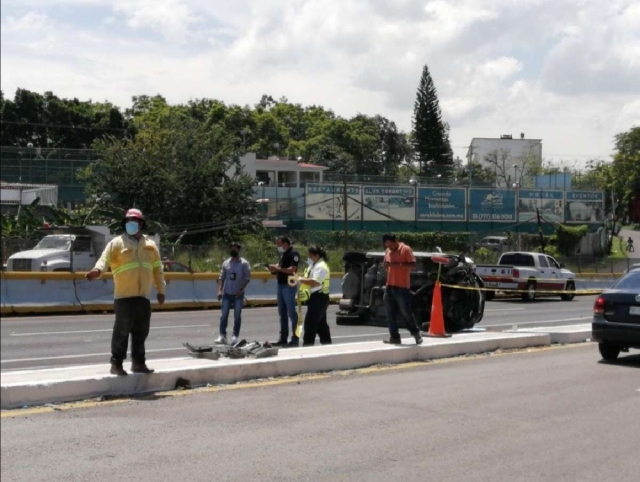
(436, 326)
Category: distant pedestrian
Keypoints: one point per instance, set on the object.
(316, 282)
(399, 262)
(286, 266)
(136, 266)
(630, 247)
(235, 275)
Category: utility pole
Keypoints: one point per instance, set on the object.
(540, 230)
(346, 214)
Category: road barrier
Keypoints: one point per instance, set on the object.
(42, 292)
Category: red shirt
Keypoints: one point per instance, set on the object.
(399, 276)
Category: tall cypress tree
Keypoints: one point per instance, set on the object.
(430, 133)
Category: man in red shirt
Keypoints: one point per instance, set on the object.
(398, 262)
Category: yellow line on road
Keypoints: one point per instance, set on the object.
(298, 379)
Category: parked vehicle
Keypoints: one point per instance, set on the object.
(534, 273)
(494, 243)
(616, 317)
(64, 248)
(170, 266)
(363, 288)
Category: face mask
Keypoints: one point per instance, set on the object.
(280, 249)
(310, 261)
(233, 253)
(132, 228)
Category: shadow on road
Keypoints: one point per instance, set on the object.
(630, 361)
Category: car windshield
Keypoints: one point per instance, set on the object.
(517, 260)
(630, 281)
(54, 242)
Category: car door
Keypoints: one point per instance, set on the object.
(556, 271)
(547, 278)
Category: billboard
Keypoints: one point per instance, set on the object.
(388, 203)
(495, 205)
(584, 207)
(550, 204)
(442, 204)
(326, 202)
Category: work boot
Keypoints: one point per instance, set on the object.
(393, 340)
(141, 367)
(116, 369)
(417, 337)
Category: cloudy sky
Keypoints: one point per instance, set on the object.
(564, 71)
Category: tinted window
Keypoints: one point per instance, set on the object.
(517, 260)
(82, 244)
(553, 263)
(543, 261)
(629, 282)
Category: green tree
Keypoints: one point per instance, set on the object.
(430, 133)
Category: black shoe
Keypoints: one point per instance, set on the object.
(116, 369)
(137, 367)
(392, 340)
(294, 343)
(417, 337)
(279, 343)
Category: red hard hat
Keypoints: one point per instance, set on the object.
(134, 214)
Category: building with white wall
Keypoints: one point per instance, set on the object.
(275, 172)
(501, 154)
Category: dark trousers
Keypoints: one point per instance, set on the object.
(315, 322)
(397, 304)
(133, 317)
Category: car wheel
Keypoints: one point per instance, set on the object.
(569, 296)
(530, 295)
(608, 351)
(489, 295)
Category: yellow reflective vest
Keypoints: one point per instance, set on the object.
(135, 266)
(304, 293)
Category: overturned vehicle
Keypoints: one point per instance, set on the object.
(363, 288)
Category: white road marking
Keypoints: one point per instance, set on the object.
(499, 311)
(102, 331)
(506, 325)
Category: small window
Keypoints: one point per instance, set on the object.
(543, 261)
(553, 263)
(82, 244)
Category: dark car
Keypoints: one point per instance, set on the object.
(616, 317)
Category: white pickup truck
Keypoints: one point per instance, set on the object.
(533, 273)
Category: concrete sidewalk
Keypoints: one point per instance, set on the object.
(37, 387)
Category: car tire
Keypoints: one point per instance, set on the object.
(489, 295)
(530, 295)
(569, 296)
(608, 351)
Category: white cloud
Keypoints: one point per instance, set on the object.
(560, 70)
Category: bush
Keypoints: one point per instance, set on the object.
(568, 238)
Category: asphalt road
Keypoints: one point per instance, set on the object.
(48, 341)
(550, 415)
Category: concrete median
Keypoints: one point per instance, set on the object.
(41, 292)
(37, 387)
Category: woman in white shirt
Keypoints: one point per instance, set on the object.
(317, 278)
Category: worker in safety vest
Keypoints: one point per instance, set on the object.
(314, 287)
(136, 266)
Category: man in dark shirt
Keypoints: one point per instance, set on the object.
(288, 265)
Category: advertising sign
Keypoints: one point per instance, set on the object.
(550, 204)
(584, 207)
(326, 202)
(388, 203)
(494, 205)
(442, 204)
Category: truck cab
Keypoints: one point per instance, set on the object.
(63, 249)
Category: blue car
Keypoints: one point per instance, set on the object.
(616, 317)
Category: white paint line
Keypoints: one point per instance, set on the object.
(500, 311)
(521, 323)
(103, 331)
(87, 355)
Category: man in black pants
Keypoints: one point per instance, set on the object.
(316, 282)
(136, 266)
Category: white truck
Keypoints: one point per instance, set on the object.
(63, 249)
(531, 274)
